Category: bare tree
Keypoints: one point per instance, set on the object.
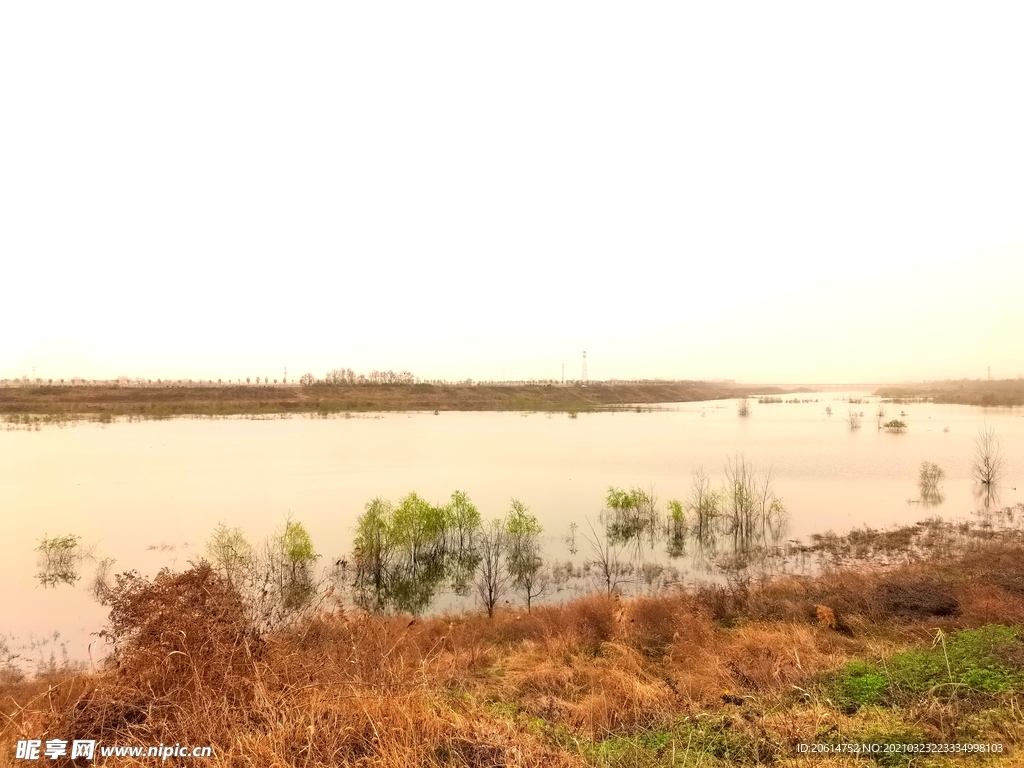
(751, 513)
(853, 419)
(705, 503)
(743, 409)
(987, 466)
(492, 576)
(879, 415)
(533, 583)
(605, 558)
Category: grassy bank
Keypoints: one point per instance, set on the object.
(926, 649)
(1005, 392)
(96, 402)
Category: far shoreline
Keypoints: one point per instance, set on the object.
(167, 400)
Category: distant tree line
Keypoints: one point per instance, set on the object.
(346, 376)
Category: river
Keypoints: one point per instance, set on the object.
(149, 494)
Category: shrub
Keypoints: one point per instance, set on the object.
(930, 474)
(914, 598)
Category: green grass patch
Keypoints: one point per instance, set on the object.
(862, 684)
(706, 741)
(882, 739)
(987, 660)
(647, 749)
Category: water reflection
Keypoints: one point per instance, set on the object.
(928, 478)
(715, 527)
(631, 518)
(406, 554)
(59, 560)
(189, 474)
(930, 497)
(986, 496)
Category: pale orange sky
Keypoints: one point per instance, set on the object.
(785, 192)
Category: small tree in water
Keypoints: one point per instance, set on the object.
(631, 517)
(676, 528)
(290, 558)
(930, 474)
(525, 566)
(751, 513)
(988, 463)
(612, 572)
(463, 526)
(928, 478)
(492, 575)
(230, 552)
(276, 582)
(405, 554)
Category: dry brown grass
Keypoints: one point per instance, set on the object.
(347, 688)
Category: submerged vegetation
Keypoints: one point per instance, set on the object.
(928, 478)
(403, 555)
(59, 559)
(406, 555)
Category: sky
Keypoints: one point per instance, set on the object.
(783, 192)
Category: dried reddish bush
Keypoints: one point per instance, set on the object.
(915, 597)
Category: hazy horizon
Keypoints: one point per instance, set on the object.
(773, 194)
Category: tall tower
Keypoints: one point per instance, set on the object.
(584, 368)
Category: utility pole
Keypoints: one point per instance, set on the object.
(563, 374)
(584, 368)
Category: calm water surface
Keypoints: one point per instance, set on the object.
(149, 494)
